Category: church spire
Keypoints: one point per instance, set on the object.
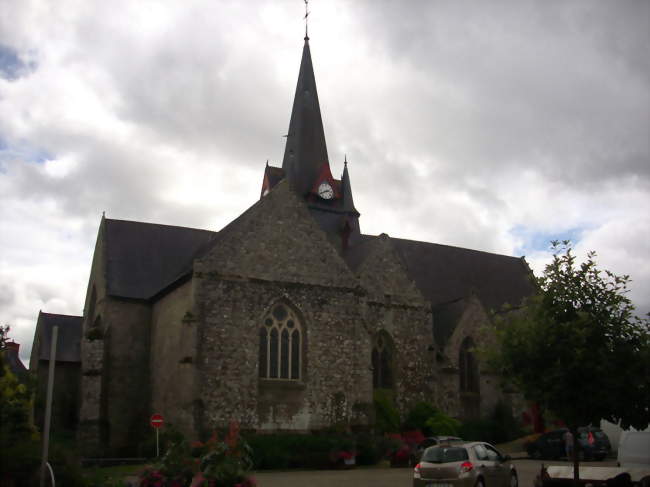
(348, 202)
(305, 152)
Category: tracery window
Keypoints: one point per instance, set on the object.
(280, 344)
(382, 362)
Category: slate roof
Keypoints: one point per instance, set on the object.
(305, 151)
(445, 319)
(143, 258)
(68, 346)
(444, 273)
(12, 359)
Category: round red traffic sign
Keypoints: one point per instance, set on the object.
(156, 420)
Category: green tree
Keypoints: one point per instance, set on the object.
(18, 437)
(576, 347)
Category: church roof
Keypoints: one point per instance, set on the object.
(445, 273)
(143, 258)
(68, 346)
(305, 152)
(445, 319)
(348, 201)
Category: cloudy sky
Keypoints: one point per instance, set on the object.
(493, 125)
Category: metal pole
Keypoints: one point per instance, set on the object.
(48, 404)
(157, 449)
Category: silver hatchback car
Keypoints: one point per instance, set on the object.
(468, 464)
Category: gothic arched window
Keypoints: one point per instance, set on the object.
(280, 344)
(469, 380)
(468, 367)
(382, 362)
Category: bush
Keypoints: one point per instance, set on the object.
(222, 460)
(499, 427)
(441, 424)
(281, 451)
(417, 418)
(290, 450)
(386, 414)
(370, 449)
(66, 465)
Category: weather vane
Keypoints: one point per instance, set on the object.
(306, 19)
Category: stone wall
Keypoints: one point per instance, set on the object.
(229, 344)
(90, 424)
(472, 324)
(173, 352)
(65, 401)
(126, 379)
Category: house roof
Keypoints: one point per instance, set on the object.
(68, 346)
(143, 258)
(12, 359)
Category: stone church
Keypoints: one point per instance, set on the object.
(287, 319)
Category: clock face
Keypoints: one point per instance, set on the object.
(325, 191)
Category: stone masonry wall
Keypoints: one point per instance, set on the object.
(410, 329)
(126, 374)
(92, 367)
(276, 251)
(332, 381)
(471, 324)
(173, 354)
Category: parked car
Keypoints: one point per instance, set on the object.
(634, 449)
(594, 444)
(416, 454)
(464, 464)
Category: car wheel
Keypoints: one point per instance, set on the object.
(514, 482)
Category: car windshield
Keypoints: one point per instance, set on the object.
(444, 454)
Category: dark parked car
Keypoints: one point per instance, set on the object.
(594, 444)
(464, 464)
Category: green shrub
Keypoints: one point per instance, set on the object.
(66, 465)
(289, 450)
(369, 449)
(417, 417)
(386, 414)
(441, 424)
(499, 427)
(281, 451)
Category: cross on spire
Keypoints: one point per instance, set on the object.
(306, 19)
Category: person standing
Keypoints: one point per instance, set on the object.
(568, 444)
